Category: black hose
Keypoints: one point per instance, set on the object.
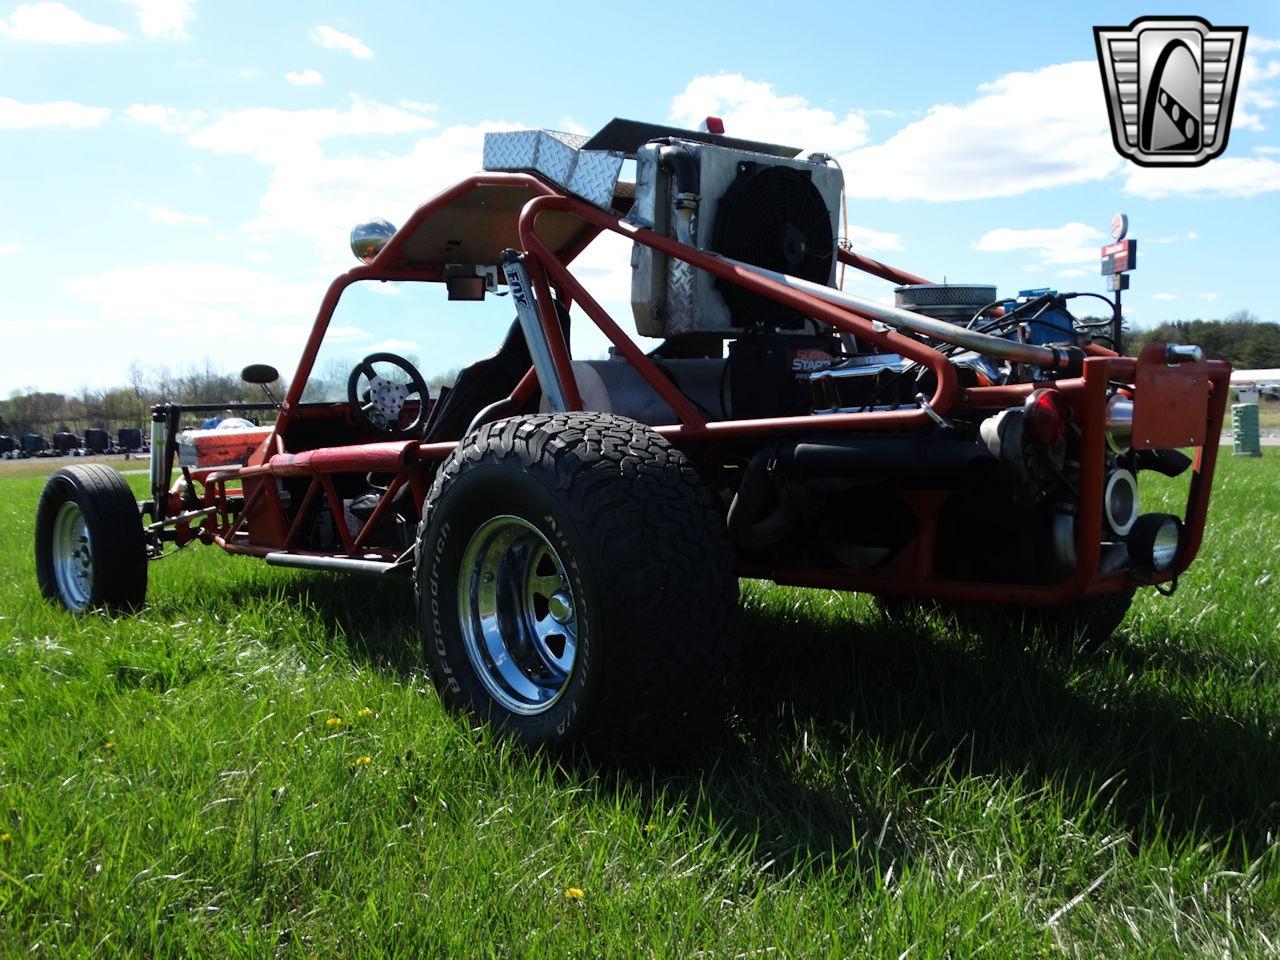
(679, 160)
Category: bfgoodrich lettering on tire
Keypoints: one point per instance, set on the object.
(575, 585)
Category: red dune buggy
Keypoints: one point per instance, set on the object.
(575, 528)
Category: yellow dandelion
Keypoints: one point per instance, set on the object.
(333, 722)
(109, 745)
(650, 827)
(365, 712)
(574, 893)
(362, 761)
(5, 837)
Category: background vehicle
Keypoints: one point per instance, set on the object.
(575, 529)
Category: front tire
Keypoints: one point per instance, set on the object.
(575, 585)
(90, 549)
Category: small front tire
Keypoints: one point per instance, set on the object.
(90, 548)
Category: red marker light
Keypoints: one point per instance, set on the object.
(713, 125)
(1047, 415)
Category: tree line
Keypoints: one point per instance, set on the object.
(1241, 338)
(48, 412)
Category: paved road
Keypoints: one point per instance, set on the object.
(1226, 442)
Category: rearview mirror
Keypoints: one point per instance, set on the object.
(260, 373)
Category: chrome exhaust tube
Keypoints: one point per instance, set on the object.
(1051, 357)
(332, 564)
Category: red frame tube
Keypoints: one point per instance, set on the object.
(1087, 395)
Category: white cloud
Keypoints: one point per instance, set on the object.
(395, 346)
(1253, 93)
(339, 334)
(332, 39)
(248, 73)
(752, 109)
(55, 23)
(1073, 272)
(1068, 244)
(1164, 296)
(168, 119)
(271, 134)
(186, 293)
(258, 256)
(164, 19)
(304, 78)
(419, 107)
(570, 125)
(15, 115)
(317, 194)
(866, 239)
(1209, 297)
(1223, 177)
(17, 328)
(1026, 131)
(10, 248)
(174, 218)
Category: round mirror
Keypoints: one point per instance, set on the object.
(261, 373)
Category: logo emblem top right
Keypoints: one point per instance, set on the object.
(1171, 86)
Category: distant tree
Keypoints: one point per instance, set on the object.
(1239, 337)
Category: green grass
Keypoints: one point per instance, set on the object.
(171, 785)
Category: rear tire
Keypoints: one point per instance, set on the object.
(575, 586)
(90, 549)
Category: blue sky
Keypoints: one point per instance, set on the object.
(177, 177)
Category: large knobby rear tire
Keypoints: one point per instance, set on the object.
(575, 586)
(91, 552)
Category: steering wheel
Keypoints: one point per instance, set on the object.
(378, 397)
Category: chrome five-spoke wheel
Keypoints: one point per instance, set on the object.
(517, 614)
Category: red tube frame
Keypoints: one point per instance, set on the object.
(1087, 394)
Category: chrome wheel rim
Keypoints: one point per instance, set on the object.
(518, 615)
(72, 556)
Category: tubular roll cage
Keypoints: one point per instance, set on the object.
(223, 510)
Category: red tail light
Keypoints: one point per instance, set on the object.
(1047, 415)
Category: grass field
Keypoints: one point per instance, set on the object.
(1268, 416)
(255, 767)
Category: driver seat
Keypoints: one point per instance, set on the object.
(484, 382)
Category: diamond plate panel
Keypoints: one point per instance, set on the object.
(595, 176)
(682, 293)
(558, 157)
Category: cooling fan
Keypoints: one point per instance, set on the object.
(773, 217)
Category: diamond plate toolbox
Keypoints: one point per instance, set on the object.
(558, 157)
